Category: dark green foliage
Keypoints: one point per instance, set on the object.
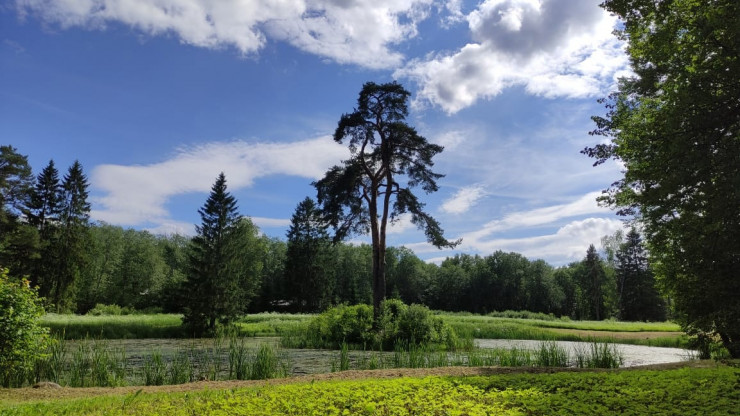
(309, 281)
(639, 299)
(224, 264)
(22, 339)
(69, 247)
(592, 283)
(46, 200)
(19, 243)
(16, 181)
(44, 213)
(675, 126)
(367, 190)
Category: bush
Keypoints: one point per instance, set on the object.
(412, 325)
(400, 325)
(343, 324)
(22, 339)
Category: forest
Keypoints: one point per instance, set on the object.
(77, 263)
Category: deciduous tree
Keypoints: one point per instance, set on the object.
(675, 126)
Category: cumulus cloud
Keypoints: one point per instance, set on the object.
(463, 199)
(356, 32)
(135, 195)
(553, 48)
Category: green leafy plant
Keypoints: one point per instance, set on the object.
(22, 339)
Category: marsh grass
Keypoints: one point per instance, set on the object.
(99, 363)
(551, 354)
(548, 354)
(598, 355)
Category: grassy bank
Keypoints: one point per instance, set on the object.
(160, 325)
(658, 334)
(706, 391)
(465, 325)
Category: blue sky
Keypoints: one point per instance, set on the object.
(156, 97)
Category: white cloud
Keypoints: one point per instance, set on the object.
(554, 48)
(173, 228)
(584, 205)
(450, 139)
(463, 199)
(554, 240)
(568, 243)
(358, 32)
(263, 222)
(402, 224)
(134, 195)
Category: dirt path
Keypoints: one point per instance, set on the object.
(31, 394)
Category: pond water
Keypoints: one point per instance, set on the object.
(309, 361)
(633, 355)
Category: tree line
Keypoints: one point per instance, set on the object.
(230, 268)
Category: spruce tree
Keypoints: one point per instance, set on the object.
(43, 213)
(639, 300)
(593, 278)
(308, 272)
(220, 280)
(69, 250)
(46, 199)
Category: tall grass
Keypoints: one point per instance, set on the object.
(551, 354)
(548, 354)
(598, 355)
(99, 363)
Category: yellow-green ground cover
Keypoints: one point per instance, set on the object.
(713, 390)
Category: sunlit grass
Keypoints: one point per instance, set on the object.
(115, 326)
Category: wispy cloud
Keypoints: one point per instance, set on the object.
(585, 205)
(463, 199)
(557, 233)
(568, 243)
(135, 195)
(356, 32)
(554, 48)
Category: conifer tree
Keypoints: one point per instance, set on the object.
(69, 250)
(639, 299)
(374, 186)
(43, 213)
(224, 264)
(308, 272)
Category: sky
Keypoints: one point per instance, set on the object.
(156, 97)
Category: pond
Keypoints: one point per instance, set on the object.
(633, 355)
(311, 361)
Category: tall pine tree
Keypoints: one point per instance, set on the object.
(18, 240)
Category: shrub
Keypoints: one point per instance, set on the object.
(22, 339)
(413, 325)
(350, 324)
(399, 324)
